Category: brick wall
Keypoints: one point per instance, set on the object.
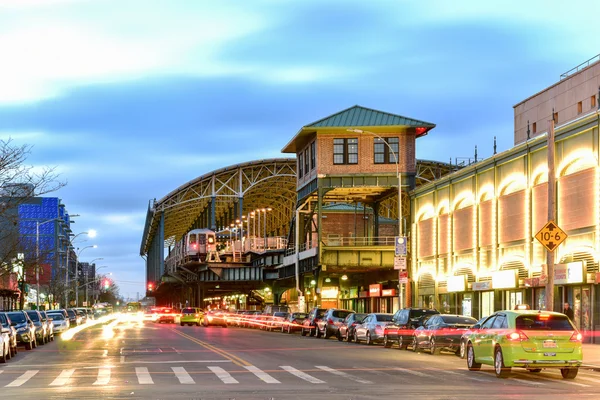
(365, 155)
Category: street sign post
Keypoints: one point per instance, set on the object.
(550, 236)
(401, 246)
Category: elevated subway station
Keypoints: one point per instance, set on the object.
(257, 255)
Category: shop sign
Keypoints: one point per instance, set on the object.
(532, 282)
(504, 279)
(597, 280)
(375, 290)
(482, 285)
(363, 294)
(568, 273)
(329, 292)
(388, 292)
(457, 283)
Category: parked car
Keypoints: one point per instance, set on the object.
(404, 322)
(25, 328)
(41, 329)
(49, 326)
(191, 316)
(277, 321)
(371, 328)
(215, 317)
(5, 323)
(82, 315)
(526, 339)
(73, 320)
(5, 344)
(331, 322)
(309, 325)
(463, 339)
(442, 331)
(60, 323)
(293, 322)
(272, 309)
(347, 327)
(249, 319)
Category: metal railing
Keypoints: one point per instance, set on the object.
(350, 241)
(581, 66)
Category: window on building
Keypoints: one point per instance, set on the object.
(579, 107)
(306, 160)
(593, 101)
(382, 154)
(345, 151)
(300, 165)
(313, 155)
(534, 127)
(556, 118)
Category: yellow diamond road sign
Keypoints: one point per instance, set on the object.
(551, 236)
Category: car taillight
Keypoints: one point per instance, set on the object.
(354, 324)
(517, 336)
(330, 321)
(576, 337)
(378, 328)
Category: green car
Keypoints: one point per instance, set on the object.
(191, 316)
(526, 339)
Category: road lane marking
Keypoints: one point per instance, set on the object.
(410, 371)
(466, 376)
(175, 362)
(261, 374)
(300, 374)
(23, 378)
(103, 376)
(235, 359)
(182, 375)
(588, 379)
(223, 375)
(143, 376)
(63, 378)
(344, 374)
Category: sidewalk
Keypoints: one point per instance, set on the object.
(591, 356)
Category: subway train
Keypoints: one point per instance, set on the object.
(196, 245)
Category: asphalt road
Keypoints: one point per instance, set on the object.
(132, 360)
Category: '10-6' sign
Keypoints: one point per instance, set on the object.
(551, 236)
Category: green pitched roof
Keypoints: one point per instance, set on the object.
(362, 116)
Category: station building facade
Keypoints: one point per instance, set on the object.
(473, 231)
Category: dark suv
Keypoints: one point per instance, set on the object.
(309, 325)
(404, 322)
(331, 322)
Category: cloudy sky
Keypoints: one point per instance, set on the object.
(129, 99)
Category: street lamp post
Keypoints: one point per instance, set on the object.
(77, 273)
(400, 219)
(91, 233)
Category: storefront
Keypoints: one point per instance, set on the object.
(329, 296)
(509, 295)
(458, 300)
(570, 280)
(485, 295)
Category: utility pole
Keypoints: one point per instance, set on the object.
(551, 215)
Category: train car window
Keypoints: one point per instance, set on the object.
(192, 238)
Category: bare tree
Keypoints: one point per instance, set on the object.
(19, 183)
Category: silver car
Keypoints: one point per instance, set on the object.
(60, 323)
(371, 328)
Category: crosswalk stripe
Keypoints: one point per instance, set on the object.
(103, 376)
(223, 375)
(410, 371)
(341, 373)
(300, 374)
(182, 375)
(466, 376)
(143, 376)
(23, 378)
(537, 376)
(261, 374)
(63, 378)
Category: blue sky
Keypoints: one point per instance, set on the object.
(130, 99)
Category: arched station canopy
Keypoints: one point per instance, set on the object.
(235, 191)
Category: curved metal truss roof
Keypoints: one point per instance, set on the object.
(260, 184)
(263, 183)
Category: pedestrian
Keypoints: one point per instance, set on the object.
(568, 311)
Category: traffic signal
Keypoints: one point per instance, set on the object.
(150, 286)
(106, 284)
